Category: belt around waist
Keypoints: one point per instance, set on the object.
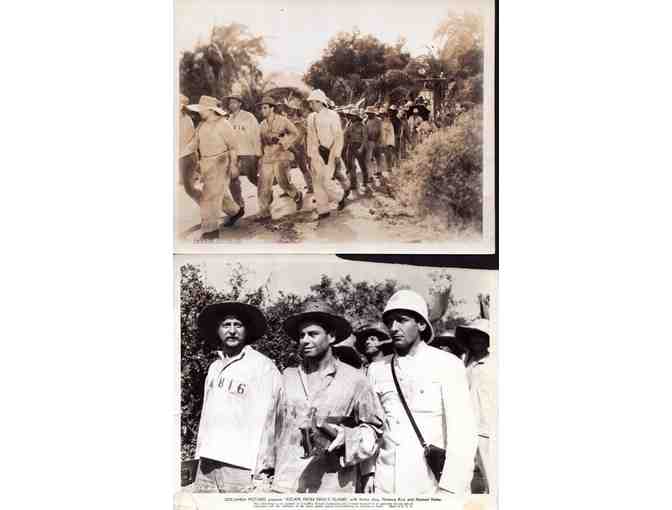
(215, 155)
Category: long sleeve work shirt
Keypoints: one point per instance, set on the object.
(246, 128)
(239, 393)
(278, 134)
(325, 129)
(344, 391)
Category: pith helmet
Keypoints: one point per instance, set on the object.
(410, 301)
(318, 95)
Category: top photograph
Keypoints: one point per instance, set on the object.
(349, 127)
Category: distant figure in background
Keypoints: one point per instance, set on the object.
(476, 337)
(246, 128)
(414, 122)
(218, 147)
(374, 150)
(278, 134)
(295, 115)
(388, 139)
(374, 342)
(355, 149)
(340, 169)
(188, 159)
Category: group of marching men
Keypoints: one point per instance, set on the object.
(326, 426)
(327, 147)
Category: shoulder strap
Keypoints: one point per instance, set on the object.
(403, 403)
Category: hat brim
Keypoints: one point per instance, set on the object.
(339, 325)
(237, 98)
(427, 334)
(251, 317)
(348, 355)
(463, 333)
(261, 103)
(198, 108)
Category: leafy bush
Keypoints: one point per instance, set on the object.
(444, 174)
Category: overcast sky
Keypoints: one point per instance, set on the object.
(297, 31)
(296, 273)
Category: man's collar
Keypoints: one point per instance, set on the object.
(420, 349)
(330, 369)
(242, 352)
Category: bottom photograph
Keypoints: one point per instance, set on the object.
(319, 374)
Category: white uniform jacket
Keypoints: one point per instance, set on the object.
(239, 394)
(435, 387)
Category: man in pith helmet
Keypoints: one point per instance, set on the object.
(434, 385)
(324, 146)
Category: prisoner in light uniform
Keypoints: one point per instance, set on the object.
(328, 387)
(434, 384)
(481, 378)
(278, 134)
(240, 389)
(188, 160)
(217, 145)
(246, 128)
(324, 146)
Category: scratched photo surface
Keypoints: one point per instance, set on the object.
(356, 127)
(274, 404)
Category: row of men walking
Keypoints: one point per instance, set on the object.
(406, 424)
(325, 146)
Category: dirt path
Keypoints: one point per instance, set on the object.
(370, 219)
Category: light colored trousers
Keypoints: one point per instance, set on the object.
(323, 184)
(269, 170)
(215, 476)
(216, 195)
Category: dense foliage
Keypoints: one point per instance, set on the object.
(231, 54)
(444, 175)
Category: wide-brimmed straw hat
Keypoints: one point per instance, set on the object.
(267, 100)
(319, 312)
(251, 317)
(206, 103)
(373, 329)
(409, 301)
(318, 95)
